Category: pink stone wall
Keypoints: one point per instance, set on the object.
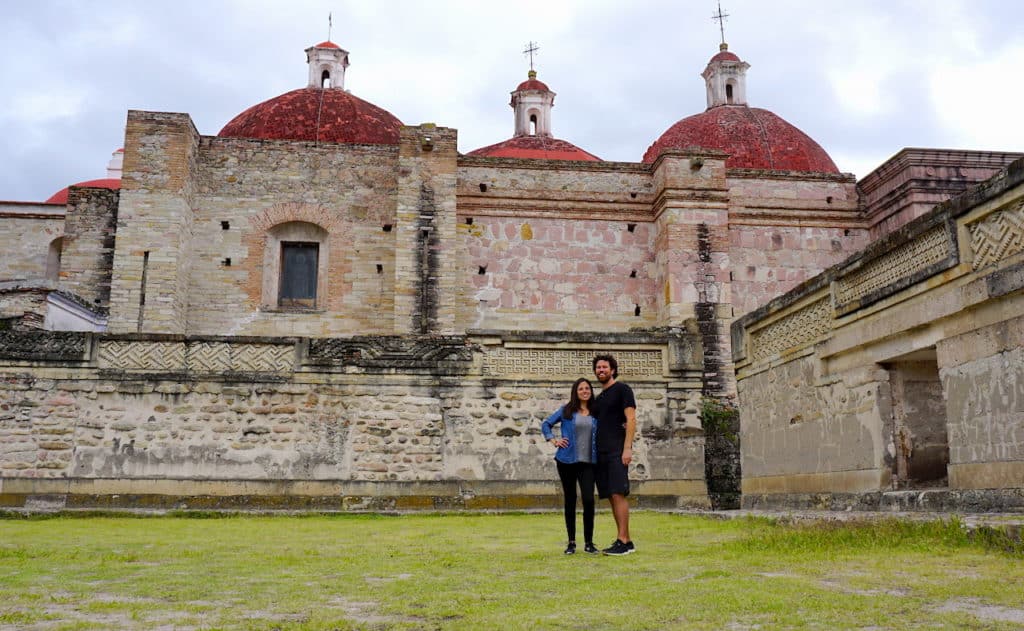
(552, 274)
(768, 261)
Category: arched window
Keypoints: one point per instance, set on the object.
(728, 93)
(533, 124)
(295, 266)
(53, 256)
(325, 79)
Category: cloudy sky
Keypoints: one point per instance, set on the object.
(864, 78)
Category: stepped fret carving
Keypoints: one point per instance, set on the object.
(196, 356)
(568, 364)
(129, 355)
(907, 259)
(998, 236)
(800, 327)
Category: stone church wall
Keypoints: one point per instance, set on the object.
(254, 186)
(28, 230)
(785, 228)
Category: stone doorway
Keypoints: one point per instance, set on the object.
(919, 428)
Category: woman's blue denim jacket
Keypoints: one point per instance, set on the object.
(567, 454)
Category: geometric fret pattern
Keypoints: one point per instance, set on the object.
(800, 327)
(998, 235)
(197, 356)
(934, 246)
(546, 363)
(129, 355)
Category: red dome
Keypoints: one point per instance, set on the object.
(327, 44)
(724, 56)
(533, 84)
(61, 196)
(754, 139)
(535, 147)
(300, 115)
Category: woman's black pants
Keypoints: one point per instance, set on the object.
(582, 474)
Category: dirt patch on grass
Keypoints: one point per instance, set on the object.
(985, 612)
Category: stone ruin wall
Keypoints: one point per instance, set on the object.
(145, 409)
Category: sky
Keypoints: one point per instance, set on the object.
(865, 79)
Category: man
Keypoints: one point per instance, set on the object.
(615, 410)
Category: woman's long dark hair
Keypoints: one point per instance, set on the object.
(575, 404)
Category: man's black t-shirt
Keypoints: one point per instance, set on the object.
(610, 410)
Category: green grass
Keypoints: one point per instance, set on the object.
(500, 572)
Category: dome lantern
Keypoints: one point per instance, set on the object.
(327, 63)
(532, 101)
(726, 78)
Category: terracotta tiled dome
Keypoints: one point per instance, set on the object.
(537, 147)
(754, 139)
(316, 114)
(533, 84)
(61, 196)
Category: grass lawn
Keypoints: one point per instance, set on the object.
(498, 572)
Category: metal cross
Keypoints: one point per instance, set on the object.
(531, 48)
(721, 17)
(329, 25)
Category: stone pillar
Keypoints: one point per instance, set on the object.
(426, 264)
(692, 250)
(87, 250)
(149, 291)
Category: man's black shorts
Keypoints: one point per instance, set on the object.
(611, 476)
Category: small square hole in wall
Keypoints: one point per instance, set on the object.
(636, 310)
(225, 225)
(846, 232)
(632, 274)
(226, 262)
(633, 195)
(828, 200)
(631, 227)
(387, 227)
(469, 221)
(483, 187)
(481, 270)
(380, 268)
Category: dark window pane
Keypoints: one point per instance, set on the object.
(298, 274)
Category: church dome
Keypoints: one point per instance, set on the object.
(323, 111)
(537, 147)
(316, 114)
(61, 196)
(754, 139)
(531, 103)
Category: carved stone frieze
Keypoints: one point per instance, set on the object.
(998, 235)
(897, 267)
(44, 345)
(391, 351)
(800, 327)
(195, 356)
(568, 363)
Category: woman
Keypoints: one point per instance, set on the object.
(575, 458)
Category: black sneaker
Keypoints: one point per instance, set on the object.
(571, 548)
(618, 549)
(590, 548)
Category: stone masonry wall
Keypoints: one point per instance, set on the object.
(88, 247)
(768, 261)
(552, 274)
(25, 241)
(87, 426)
(982, 376)
(245, 188)
(795, 423)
